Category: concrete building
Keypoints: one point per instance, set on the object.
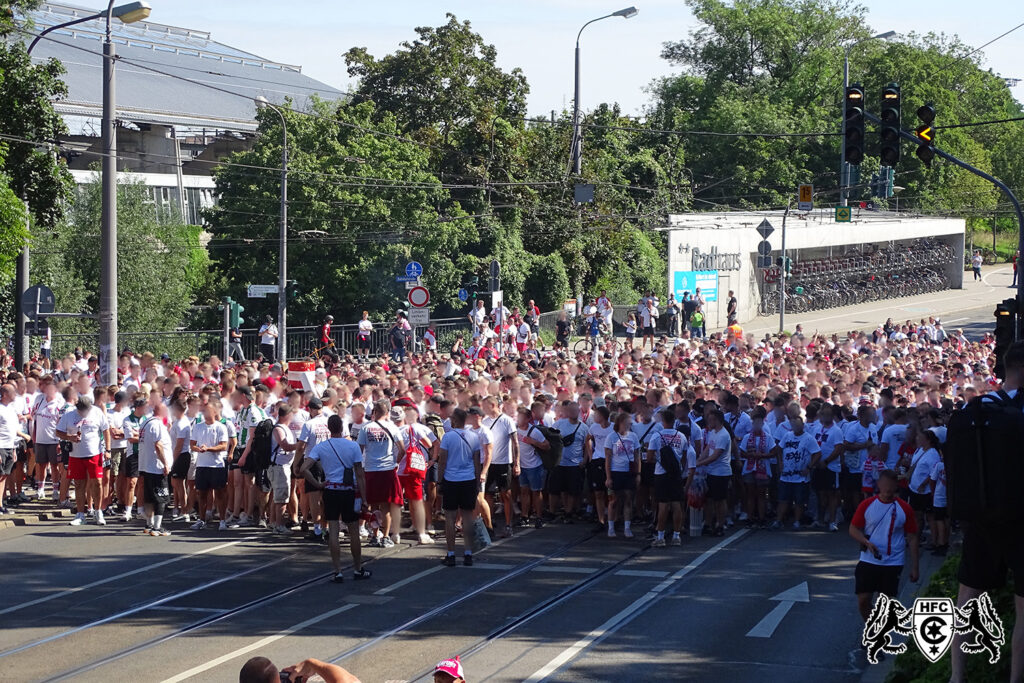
(718, 252)
(184, 101)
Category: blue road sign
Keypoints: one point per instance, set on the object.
(406, 278)
(463, 295)
(413, 269)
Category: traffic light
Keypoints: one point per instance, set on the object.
(293, 289)
(926, 134)
(1006, 326)
(853, 111)
(890, 131)
(235, 313)
(875, 185)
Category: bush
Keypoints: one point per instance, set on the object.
(912, 667)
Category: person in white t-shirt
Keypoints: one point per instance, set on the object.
(420, 448)
(282, 450)
(365, 328)
(116, 413)
(504, 458)
(10, 432)
(87, 429)
(155, 462)
(46, 410)
(268, 339)
(717, 457)
(430, 338)
(799, 450)
(209, 443)
(383, 449)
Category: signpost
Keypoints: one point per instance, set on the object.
(407, 278)
(419, 297)
(419, 317)
(413, 269)
(496, 298)
(844, 214)
(261, 291)
(806, 198)
(38, 301)
(463, 295)
(765, 229)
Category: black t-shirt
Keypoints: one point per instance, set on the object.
(732, 305)
(689, 306)
(562, 328)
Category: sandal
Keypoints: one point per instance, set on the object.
(338, 578)
(363, 573)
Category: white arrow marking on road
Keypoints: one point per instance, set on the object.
(786, 599)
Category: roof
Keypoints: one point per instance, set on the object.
(145, 96)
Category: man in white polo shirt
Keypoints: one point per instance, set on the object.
(87, 429)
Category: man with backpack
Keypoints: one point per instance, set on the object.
(251, 417)
(342, 463)
(993, 539)
(566, 481)
(383, 449)
(666, 450)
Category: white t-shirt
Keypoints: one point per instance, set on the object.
(828, 438)
(336, 456)
(430, 340)
(91, 427)
(677, 441)
(922, 463)
(210, 435)
(528, 458)
(267, 334)
(314, 431)
(644, 432)
(279, 456)
(10, 425)
(45, 415)
(523, 334)
(180, 430)
(623, 450)
(503, 431)
(797, 452)
(719, 440)
(599, 435)
(152, 432)
(379, 440)
(754, 443)
(938, 475)
(893, 435)
(116, 420)
(365, 327)
(855, 432)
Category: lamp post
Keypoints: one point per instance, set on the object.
(843, 172)
(282, 266)
(577, 139)
(127, 13)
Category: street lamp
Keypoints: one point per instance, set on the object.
(577, 140)
(843, 172)
(282, 266)
(127, 13)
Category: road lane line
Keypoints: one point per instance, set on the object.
(407, 580)
(554, 569)
(142, 608)
(164, 563)
(263, 642)
(628, 613)
(175, 608)
(642, 573)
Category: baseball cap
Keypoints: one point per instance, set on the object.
(245, 391)
(475, 410)
(165, 356)
(397, 414)
(315, 403)
(452, 667)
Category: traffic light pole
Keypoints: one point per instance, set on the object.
(227, 329)
(782, 272)
(906, 135)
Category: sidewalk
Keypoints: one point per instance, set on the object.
(993, 288)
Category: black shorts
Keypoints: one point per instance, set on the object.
(940, 514)
(22, 451)
(340, 505)
(623, 481)
(179, 470)
(596, 476)
(646, 472)
(566, 479)
(824, 480)
(65, 452)
(851, 482)
(921, 502)
(364, 343)
(154, 488)
(988, 552)
(668, 489)
(459, 495)
(211, 478)
(129, 467)
(877, 578)
(499, 478)
(718, 487)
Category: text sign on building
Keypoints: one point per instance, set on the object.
(713, 260)
(690, 280)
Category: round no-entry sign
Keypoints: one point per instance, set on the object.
(419, 297)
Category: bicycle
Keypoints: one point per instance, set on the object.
(604, 339)
(327, 352)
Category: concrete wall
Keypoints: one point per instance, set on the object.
(726, 245)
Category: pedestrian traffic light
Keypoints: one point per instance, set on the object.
(293, 289)
(1006, 327)
(890, 131)
(235, 317)
(926, 134)
(853, 113)
(875, 185)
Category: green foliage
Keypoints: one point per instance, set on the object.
(547, 282)
(13, 233)
(912, 667)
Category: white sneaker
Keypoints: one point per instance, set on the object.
(833, 527)
(200, 524)
(55, 495)
(262, 523)
(79, 520)
(628, 533)
(387, 543)
(223, 525)
(363, 533)
(243, 519)
(187, 518)
(127, 515)
(425, 539)
(611, 533)
(100, 519)
(141, 516)
(796, 526)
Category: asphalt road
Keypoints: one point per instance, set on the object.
(559, 603)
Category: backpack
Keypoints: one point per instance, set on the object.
(553, 455)
(435, 423)
(261, 444)
(984, 465)
(669, 463)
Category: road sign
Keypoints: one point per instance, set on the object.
(764, 248)
(37, 327)
(496, 298)
(764, 262)
(419, 297)
(261, 291)
(413, 269)
(844, 214)
(463, 295)
(412, 284)
(786, 599)
(419, 316)
(806, 198)
(37, 301)
(407, 278)
(765, 229)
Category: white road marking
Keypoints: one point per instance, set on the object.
(118, 577)
(148, 605)
(263, 642)
(407, 580)
(786, 599)
(551, 569)
(644, 573)
(628, 613)
(175, 608)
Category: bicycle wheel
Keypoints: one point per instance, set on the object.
(582, 346)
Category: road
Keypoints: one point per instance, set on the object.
(558, 603)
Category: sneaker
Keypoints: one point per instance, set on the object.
(67, 505)
(425, 539)
(233, 524)
(374, 542)
(362, 574)
(262, 523)
(833, 527)
(282, 529)
(387, 543)
(448, 561)
(243, 519)
(796, 526)
(775, 525)
(90, 513)
(4, 511)
(338, 578)
(79, 520)
(467, 560)
(55, 495)
(538, 523)
(187, 518)
(223, 526)
(363, 533)
(127, 515)
(676, 540)
(199, 525)
(611, 533)
(100, 519)
(141, 515)
(743, 517)
(817, 525)
(148, 530)
(628, 533)
(161, 532)
(658, 543)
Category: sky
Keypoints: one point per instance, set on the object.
(620, 57)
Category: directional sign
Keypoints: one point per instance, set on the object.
(463, 295)
(786, 599)
(261, 291)
(805, 198)
(764, 261)
(765, 229)
(925, 132)
(419, 316)
(407, 278)
(413, 269)
(419, 297)
(38, 301)
(496, 298)
(764, 248)
(37, 327)
(844, 214)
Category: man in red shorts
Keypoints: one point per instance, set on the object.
(420, 447)
(87, 429)
(383, 449)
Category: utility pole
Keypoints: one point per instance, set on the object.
(782, 272)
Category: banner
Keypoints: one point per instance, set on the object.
(690, 280)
